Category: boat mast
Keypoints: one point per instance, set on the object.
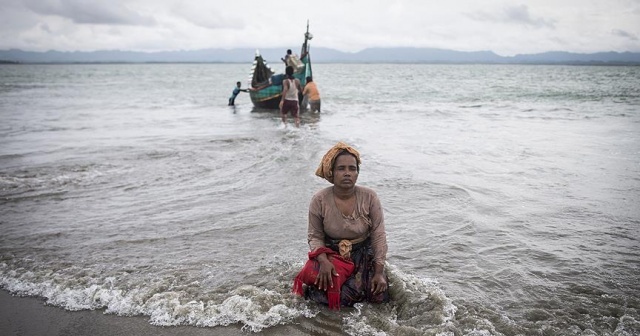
(307, 36)
(306, 59)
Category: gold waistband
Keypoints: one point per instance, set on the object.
(345, 246)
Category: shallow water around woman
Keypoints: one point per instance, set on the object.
(510, 194)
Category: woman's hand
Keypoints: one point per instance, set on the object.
(379, 281)
(280, 105)
(324, 280)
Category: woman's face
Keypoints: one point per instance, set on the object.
(345, 171)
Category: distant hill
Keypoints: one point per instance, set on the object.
(566, 57)
(319, 55)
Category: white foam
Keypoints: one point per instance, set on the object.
(409, 294)
(254, 307)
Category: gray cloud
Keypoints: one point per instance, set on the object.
(625, 34)
(45, 27)
(90, 12)
(518, 14)
(209, 18)
(15, 18)
(506, 27)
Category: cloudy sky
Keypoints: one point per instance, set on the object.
(507, 27)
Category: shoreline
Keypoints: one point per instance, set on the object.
(30, 316)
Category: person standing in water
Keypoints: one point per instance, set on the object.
(234, 94)
(289, 101)
(312, 94)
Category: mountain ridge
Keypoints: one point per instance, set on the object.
(319, 55)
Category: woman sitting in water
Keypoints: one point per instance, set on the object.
(346, 235)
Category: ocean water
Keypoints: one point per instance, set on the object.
(511, 195)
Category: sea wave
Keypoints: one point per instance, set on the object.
(419, 304)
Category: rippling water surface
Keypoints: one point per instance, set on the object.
(510, 193)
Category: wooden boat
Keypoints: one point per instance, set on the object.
(267, 85)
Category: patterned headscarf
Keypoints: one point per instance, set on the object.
(324, 169)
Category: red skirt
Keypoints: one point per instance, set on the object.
(357, 287)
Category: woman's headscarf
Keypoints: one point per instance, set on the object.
(324, 170)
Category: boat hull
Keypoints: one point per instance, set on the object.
(268, 97)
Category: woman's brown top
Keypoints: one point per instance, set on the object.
(367, 220)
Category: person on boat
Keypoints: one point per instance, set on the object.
(289, 101)
(235, 93)
(312, 94)
(346, 224)
(291, 59)
(286, 57)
